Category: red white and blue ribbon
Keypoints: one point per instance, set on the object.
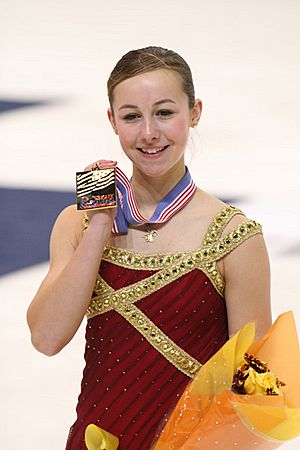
(128, 211)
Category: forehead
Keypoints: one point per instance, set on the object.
(150, 87)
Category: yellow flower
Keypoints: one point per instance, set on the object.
(251, 386)
(261, 383)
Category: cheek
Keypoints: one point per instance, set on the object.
(126, 135)
(179, 129)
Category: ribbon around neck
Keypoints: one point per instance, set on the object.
(128, 211)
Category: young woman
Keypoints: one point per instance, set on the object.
(162, 296)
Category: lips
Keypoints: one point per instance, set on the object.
(152, 150)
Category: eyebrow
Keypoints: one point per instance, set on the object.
(159, 102)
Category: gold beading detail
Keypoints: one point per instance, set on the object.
(232, 240)
(164, 345)
(85, 221)
(169, 268)
(216, 227)
(125, 258)
(204, 260)
(107, 298)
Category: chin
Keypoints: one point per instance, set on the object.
(156, 171)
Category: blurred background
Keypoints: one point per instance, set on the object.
(55, 58)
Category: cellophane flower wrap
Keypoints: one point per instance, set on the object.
(209, 415)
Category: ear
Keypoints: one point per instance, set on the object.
(196, 113)
(111, 118)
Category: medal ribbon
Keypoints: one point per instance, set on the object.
(128, 211)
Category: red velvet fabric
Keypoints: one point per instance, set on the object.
(128, 387)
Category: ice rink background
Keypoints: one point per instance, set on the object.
(55, 59)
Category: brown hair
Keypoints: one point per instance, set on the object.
(147, 59)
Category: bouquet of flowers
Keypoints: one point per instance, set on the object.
(236, 400)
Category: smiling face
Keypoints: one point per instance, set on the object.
(152, 118)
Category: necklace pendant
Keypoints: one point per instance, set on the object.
(150, 234)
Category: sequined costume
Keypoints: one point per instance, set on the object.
(152, 321)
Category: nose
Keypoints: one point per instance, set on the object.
(150, 130)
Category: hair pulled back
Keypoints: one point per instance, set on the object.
(147, 59)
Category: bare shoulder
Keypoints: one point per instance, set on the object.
(208, 204)
(69, 225)
(245, 252)
(70, 213)
(250, 253)
(205, 207)
(235, 221)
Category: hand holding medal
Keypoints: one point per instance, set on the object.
(96, 189)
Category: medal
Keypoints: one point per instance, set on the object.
(96, 189)
(150, 233)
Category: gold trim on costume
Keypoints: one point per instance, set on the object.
(137, 261)
(107, 298)
(233, 239)
(125, 307)
(85, 221)
(218, 224)
(181, 264)
(168, 268)
(174, 354)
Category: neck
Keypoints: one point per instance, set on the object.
(150, 190)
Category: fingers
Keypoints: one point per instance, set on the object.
(101, 164)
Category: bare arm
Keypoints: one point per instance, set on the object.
(63, 297)
(60, 304)
(247, 292)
